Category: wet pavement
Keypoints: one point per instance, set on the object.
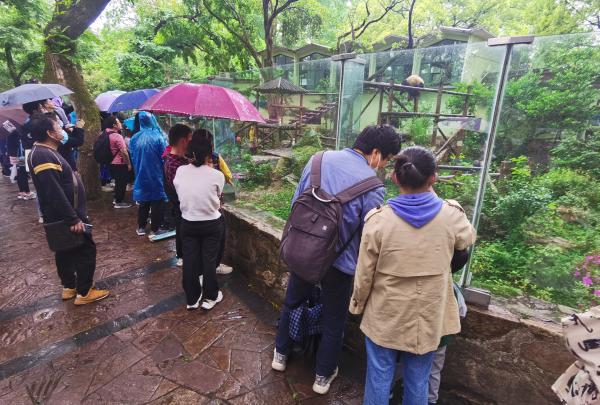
(139, 345)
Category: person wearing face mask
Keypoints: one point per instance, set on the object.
(403, 284)
(62, 198)
(339, 170)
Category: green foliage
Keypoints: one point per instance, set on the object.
(481, 95)
(419, 130)
(306, 147)
(277, 202)
(579, 154)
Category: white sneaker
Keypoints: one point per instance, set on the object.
(196, 305)
(224, 269)
(322, 384)
(141, 231)
(179, 262)
(210, 304)
(279, 361)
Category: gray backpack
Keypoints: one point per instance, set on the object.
(311, 234)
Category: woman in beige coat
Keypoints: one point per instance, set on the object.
(403, 282)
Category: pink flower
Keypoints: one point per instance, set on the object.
(586, 281)
(597, 293)
(576, 273)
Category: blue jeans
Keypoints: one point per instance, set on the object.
(381, 366)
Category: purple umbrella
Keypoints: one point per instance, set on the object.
(131, 100)
(104, 100)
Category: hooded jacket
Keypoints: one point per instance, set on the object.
(403, 282)
(147, 147)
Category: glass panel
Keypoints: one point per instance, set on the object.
(351, 101)
(540, 230)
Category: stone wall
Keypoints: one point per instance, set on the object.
(499, 358)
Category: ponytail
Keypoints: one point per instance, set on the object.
(414, 166)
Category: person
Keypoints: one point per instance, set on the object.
(340, 169)
(199, 186)
(403, 282)
(147, 148)
(219, 164)
(55, 105)
(16, 154)
(55, 182)
(180, 136)
(121, 164)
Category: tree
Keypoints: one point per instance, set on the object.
(369, 17)
(69, 21)
(236, 17)
(20, 37)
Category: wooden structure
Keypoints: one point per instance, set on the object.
(389, 91)
(276, 91)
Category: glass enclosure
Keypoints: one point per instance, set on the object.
(539, 229)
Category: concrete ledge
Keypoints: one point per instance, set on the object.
(499, 357)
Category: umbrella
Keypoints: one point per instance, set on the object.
(131, 100)
(104, 100)
(32, 92)
(11, 119)
(204, 100)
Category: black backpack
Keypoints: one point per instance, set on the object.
(311, 234)
(102, 152)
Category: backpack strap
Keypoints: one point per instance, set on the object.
(358, 189)
(315, 170)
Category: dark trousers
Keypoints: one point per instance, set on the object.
(336, 289)
(121, 175)
(154, 208)
(76, 267)
(177, 219)
(22, 179)
(201, 241)
(222, 244)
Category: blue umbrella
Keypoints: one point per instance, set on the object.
(131, 100)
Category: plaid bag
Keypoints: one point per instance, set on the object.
(305, 320)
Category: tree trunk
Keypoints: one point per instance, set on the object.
(411, 42)
(10, 64)
(59, 69)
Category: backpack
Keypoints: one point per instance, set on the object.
(102, 152)
(311, 234)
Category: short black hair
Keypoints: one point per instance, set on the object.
(178, 132)
(382, 137)
(109, 121)
(200, 148)
(414, 166)
(32, 106)
(39, 125)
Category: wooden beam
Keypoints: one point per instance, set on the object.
(424, 114)
(403, 87)
(380, 92)
(390, 106)
(436, 119)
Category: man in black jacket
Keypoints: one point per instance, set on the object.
(62, 198)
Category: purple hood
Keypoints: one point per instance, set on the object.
(416, 209)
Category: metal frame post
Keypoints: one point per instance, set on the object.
(508, 43)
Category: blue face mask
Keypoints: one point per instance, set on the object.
(65, 137)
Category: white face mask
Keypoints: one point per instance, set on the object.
(378, 162)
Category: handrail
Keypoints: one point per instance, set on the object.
(402, 86)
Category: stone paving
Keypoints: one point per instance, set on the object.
(140, 345)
